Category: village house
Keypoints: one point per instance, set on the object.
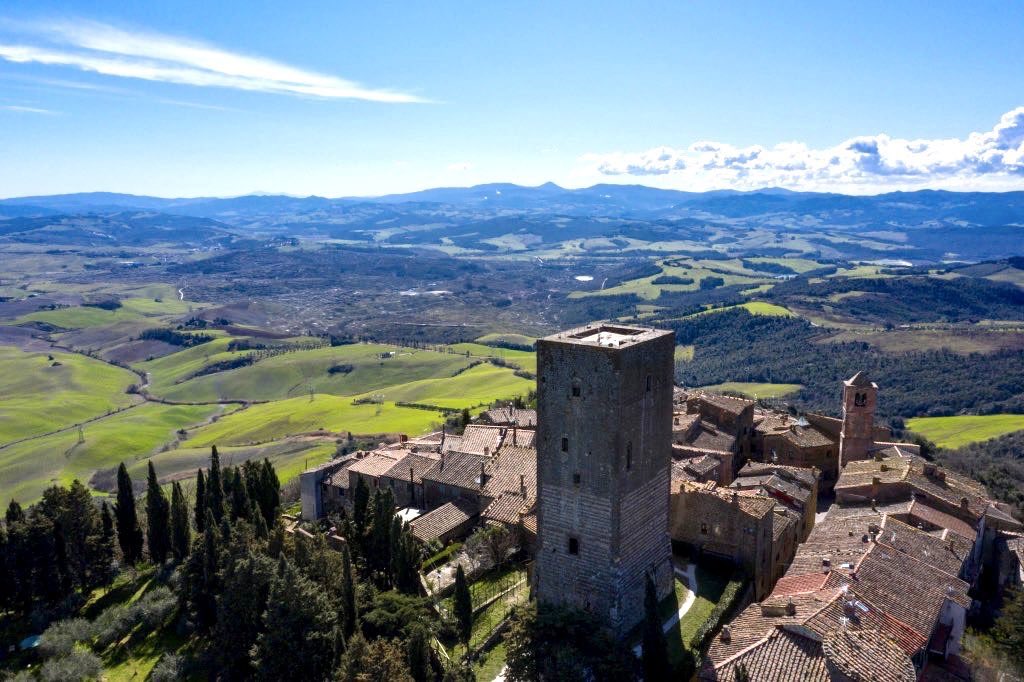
(861, 573)
(795, 488)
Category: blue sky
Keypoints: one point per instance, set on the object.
(343, 98)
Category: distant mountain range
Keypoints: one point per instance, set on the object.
(925, 225)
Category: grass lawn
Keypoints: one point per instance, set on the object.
(645, 287)
(764, 308)
(129, 436)
(754, 390)
(37, 397)
(276, 420)
(526, 360)
(488, 619)
(952, 432)
(710, 585)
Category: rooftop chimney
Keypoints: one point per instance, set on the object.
(726, 634)
(790, 607)
(481, 474)
(522, 485)
(487, 452)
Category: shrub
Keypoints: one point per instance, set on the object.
(441, 557)
(169, 669)
(80, 664)
(726, 603)
(672, 279)
(60, 638)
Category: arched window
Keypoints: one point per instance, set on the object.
(860, 399)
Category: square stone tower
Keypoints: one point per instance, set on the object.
(857, 437)
(604, 440)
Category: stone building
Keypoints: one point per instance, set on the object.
(604, 407)
(795, 488)
(860, 397)
(725, 524)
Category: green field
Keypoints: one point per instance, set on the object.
(30, 466)
(37, 397)
(79, 317)
(731, 271)
(518, 339)
(482, 384)
(523, 359)
(684, 353)
(952, 432)
(273, 421)
(754, 390)
(290, 458)
(295, 373)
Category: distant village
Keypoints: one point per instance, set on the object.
(863, 558)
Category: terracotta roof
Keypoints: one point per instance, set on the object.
(507, 508)
(509, 414)
(509, 469)
(475, 440)
(948, 555)
(805, 476)
(457, 469)
(725, 402)
(680, 472)
(848, 608)
(444, 519)
(706, 436)
(866, 655)
(373, 464)
(919, 510)
(779, 655)
(789, 585)
(859, 379)
(420, 464)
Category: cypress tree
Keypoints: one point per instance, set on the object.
(129, 535)
(158, 512)
(101, 571)
(463, 606)
(215, 486)
(417, 655)
(360, 502)
(60, 555)
(655, 652)
(241, 507)
(395, 550)
(200, 508)
(181, 534)
(270, 492)
(349, 614)
(15, 514)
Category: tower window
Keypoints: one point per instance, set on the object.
(574, 546)
(704, 529)
(565, 445)
(575, 389)
(576, 478)
(860, 399)
(629, 455)
(648, 383)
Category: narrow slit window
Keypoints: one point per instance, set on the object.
(576, 478)
(629, 455)
(648, 383)
(574, 546)
(565, 445)
(575, 389)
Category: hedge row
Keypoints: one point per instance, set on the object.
(723, 609)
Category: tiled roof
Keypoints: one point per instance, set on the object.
(507, 508)
(919, 510)
(948, 555)
(458, 469)
(510, 469)
(475, 440)
(725, 402)
(508, 415)
(444, 519)
(866, 655)
(779, 655)
(789, 585)
(706, 436)
(848, 608)
(859, 379)
(781, 523)
(420, 464)
(680, 472)
(801, 474)
(703, 465)
(373, 464)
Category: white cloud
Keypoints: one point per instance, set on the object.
(103, 49)
(25, 110)
(993, 158)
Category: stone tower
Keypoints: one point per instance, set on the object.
(604, 434)
(860, 395)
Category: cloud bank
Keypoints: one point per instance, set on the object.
(992, 158)
(106, 50)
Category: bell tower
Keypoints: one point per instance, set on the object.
(860, 396)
